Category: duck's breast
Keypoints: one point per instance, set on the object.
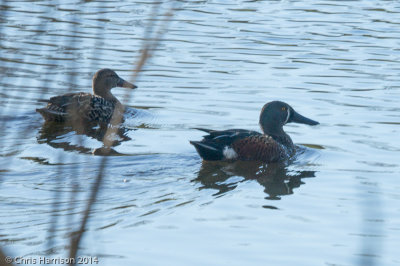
(100, 110)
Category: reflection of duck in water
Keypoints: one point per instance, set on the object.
(274, 177)
(239, 144)
(85, 108)
(57, 136)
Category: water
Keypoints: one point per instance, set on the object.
(336, 203)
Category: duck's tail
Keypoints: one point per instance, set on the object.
(208, 152)
(204, 129)
(52, 115)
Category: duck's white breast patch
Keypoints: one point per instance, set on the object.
(229, 153)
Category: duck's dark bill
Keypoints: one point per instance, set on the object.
(298, 118)
(125, 84)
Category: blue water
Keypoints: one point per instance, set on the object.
(336, 203)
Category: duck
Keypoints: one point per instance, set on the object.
(272, 145)
(84, 107)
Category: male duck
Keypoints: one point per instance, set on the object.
(239, 144)
(85, 107)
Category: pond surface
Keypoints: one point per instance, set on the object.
(336, 203)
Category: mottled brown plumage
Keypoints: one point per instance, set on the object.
(85, 107)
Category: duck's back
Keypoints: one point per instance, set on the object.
(82, 107)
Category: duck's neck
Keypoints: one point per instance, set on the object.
(285, 140)
(105, 93)
(279, 135)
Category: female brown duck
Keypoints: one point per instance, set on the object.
(84, 107)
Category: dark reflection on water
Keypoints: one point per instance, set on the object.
(276, 179)
(52, 132)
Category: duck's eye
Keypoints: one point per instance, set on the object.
(283, 108)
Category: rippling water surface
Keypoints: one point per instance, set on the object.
(336, 203)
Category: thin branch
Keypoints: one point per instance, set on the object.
(76, 238)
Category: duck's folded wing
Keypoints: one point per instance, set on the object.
(212, 146)
(67, 106)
